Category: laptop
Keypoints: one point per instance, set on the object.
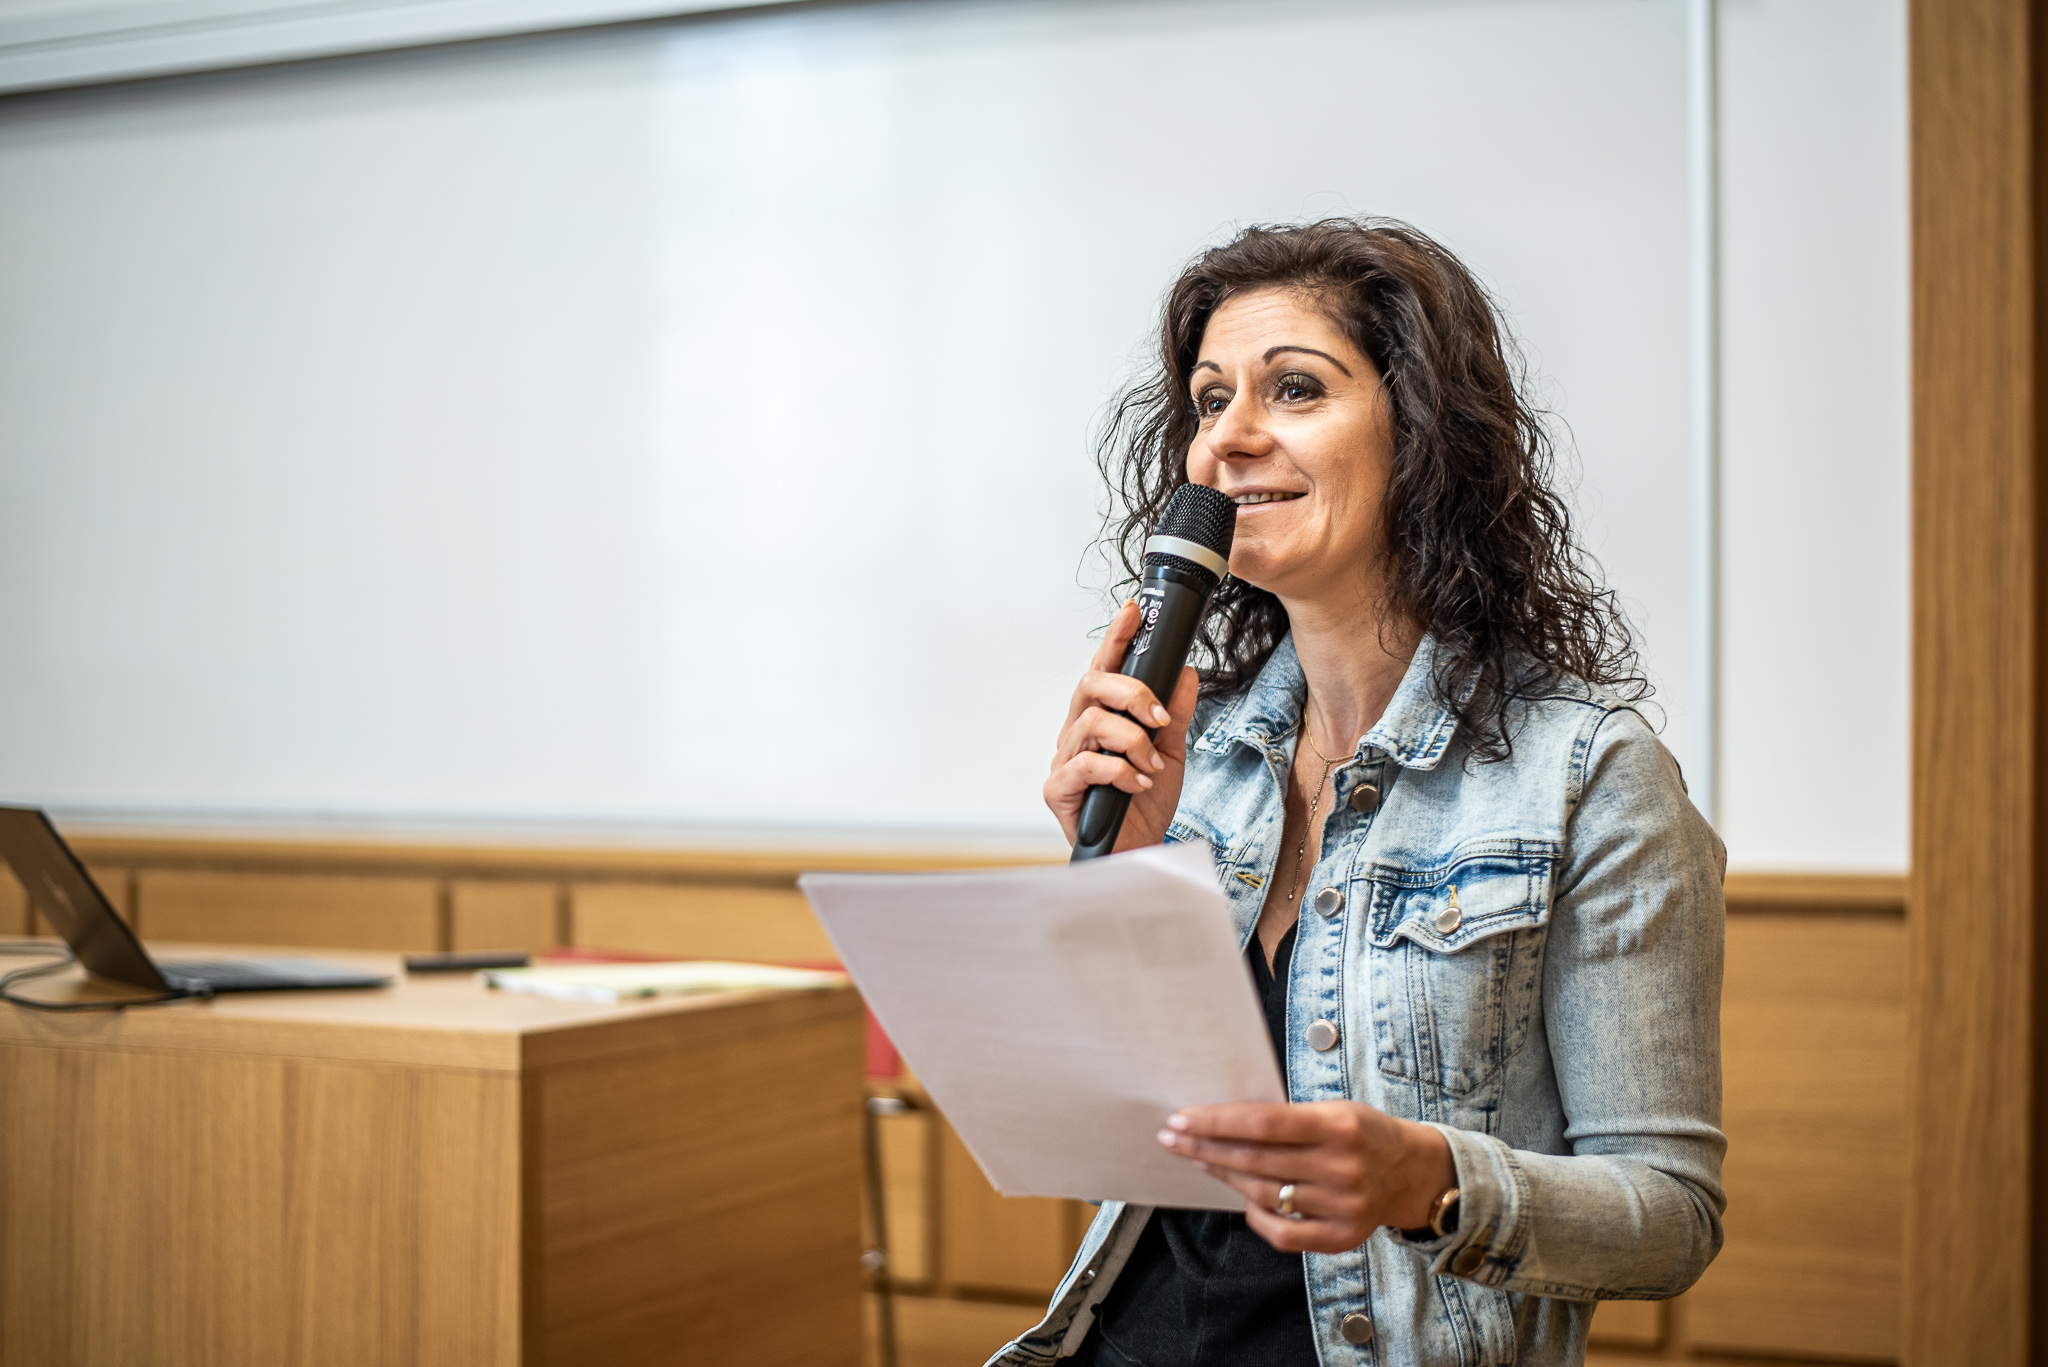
(68, 898)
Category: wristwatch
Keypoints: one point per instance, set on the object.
(1443, 1216)
(1443, 1219)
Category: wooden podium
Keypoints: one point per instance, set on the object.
(431, 1174)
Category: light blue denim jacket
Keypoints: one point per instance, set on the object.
(1561, 1025)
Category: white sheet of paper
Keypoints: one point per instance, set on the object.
(1059, 1014)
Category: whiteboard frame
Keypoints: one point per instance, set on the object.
(97, 44)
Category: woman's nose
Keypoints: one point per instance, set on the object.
(1240, 431)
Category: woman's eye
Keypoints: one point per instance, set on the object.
(1298, 388)
(1210, 402)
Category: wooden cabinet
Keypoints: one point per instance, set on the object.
(432, 1175)
(234, 1210)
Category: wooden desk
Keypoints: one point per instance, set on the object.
(430, 1174)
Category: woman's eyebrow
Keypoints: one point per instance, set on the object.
(1275, 351)
(1309, 350)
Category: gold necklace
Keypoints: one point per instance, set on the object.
(1315, 800)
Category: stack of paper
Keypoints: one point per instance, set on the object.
(619, 982)
(1058, 1015)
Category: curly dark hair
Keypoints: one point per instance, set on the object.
(1479, 549)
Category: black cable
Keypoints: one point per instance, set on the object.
(65, 960)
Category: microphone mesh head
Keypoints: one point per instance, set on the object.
(1199, 514)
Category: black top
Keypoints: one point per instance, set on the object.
(1201, 1289)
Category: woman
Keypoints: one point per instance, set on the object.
(1499, 1019)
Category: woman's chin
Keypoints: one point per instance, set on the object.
(1259, 573)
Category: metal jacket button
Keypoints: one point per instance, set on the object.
(1356, 1328)
(1469, 1258)
(1321, 1036)
(1450, 918)
(1364, 797)
(1330, 901)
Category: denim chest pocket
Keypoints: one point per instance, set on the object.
(1457, 962)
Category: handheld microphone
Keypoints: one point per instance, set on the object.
(1186, 557)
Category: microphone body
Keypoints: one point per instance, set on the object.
(1185, 561)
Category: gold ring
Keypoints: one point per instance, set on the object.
(1286, 1206)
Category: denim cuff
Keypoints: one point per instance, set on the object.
(1492, 1198)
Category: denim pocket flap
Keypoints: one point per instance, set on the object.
(1473, 896)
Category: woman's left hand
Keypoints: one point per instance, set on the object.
(1353, 1168)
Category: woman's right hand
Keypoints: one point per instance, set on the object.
(1100, 744)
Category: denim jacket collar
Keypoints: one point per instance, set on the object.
(1415, 731)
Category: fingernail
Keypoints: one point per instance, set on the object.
(1178, 1121)
(1160, 714)
(1144, 780)
(1167, 1137)
(1158, 762)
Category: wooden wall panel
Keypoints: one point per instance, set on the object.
(502, 914)
(15, 917)
(1628, 1324)
(116, 883)
(1813, 1045)
(1976, 1275)
(909, 1191)
(1811, 894)
(708, 922)
(992, 1242)
(328, 850)
(336, 912)
(932, 1332)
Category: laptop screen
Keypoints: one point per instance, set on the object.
(68, 898)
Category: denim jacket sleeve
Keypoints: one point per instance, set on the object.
(1631, 1002)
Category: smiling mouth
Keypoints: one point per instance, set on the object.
(1248, 500)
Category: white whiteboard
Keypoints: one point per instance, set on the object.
(690, 425)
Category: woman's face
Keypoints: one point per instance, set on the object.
(1294, 428)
